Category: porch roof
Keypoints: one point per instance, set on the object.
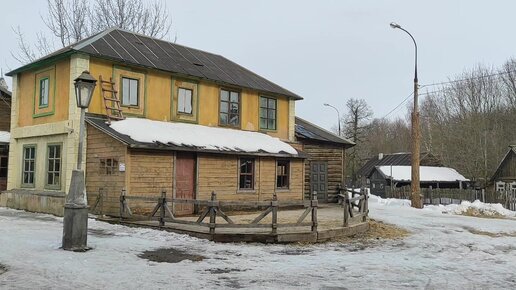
(160, 135)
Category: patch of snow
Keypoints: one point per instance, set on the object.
(426, 173)
(210, 138)
(5, 137)
(490, 209)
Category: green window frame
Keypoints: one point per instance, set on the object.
(130, 92)
(268, 113)
(283, 174)
(229, 108)
(54, 164)
(246, 173)
(44, 91)
(29, 166)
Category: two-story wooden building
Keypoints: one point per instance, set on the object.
(194, 122)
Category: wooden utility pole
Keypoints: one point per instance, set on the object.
(415, 196)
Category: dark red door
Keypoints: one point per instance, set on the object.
(185, 182)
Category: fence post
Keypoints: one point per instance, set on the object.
(122, 204)
(162, 202)
(314, 204)
(431, 195)
(213, 213)
(483, 195)
(274, 205)
(346, 209)
(365, 205)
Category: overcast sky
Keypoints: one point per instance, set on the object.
(327, 51)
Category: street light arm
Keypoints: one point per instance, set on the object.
(415, 45)
(338, 114)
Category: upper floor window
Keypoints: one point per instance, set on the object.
(130, 91)
(246, 174)
(54, 166)
(229, 108)
(43, 92)
(29, 165)
(268, 113)
(282, 174)
(108, 166)
(184, 101)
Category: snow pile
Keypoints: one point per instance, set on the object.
(476, 208)
(4, 137)
(388, 201)
(427, 173)
(210, 138)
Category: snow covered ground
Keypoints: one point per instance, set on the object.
(445, 251)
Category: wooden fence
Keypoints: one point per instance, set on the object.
(447, 196)
(355, 208)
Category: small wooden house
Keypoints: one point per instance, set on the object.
(504, 178)
(187, 121)
(325, 166)
(384, 177)
(5, 126)
(394, 159)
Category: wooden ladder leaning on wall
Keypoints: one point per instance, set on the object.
(111, 101)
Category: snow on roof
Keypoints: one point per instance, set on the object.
(4, 137)
(426, 173)
(210, 138)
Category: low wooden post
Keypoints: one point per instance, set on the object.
(346, 209)
(122, 204)
(430, 193)
(213, 212)
(274, 206)
(366, 207)
(162, 202)
(483, 195)
(314, 204)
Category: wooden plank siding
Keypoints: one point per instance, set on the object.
(335, 156)
(101, 146)
(5, 114)
(507, 170)
(220, 173)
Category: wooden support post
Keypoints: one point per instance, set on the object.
(314, 205)
(366, 207)
(274, 206)
(162, 202)
(346, 209)
(122, 204)
(213, 212)
(483, 195)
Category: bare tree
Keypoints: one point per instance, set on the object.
(358, 115)
(69, 21)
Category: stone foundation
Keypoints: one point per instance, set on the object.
(34, 201)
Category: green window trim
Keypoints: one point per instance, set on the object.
(47, 109)
(44, 92)
(268, 113)
(182, 101)
(54, 163)
(28, 178)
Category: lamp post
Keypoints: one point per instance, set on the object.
(415, 196)
(338, 114)
(75, 221)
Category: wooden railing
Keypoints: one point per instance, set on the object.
(351, 200)
(213, 208)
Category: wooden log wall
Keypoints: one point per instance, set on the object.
(335, 156)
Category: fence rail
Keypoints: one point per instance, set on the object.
(456, 196)
(212, 213)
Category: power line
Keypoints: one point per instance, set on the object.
(402, 102)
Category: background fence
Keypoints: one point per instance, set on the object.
(447, 196)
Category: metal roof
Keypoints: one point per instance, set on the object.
(402, 158)
(310, 131)
(136, 49)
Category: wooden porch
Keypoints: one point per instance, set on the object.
(238, 221)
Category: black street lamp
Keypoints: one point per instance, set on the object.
(416, 147)
(75, 221)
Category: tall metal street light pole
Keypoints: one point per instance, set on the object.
(415, 196)
(338, 115)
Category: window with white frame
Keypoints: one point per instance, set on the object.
(184, 101)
